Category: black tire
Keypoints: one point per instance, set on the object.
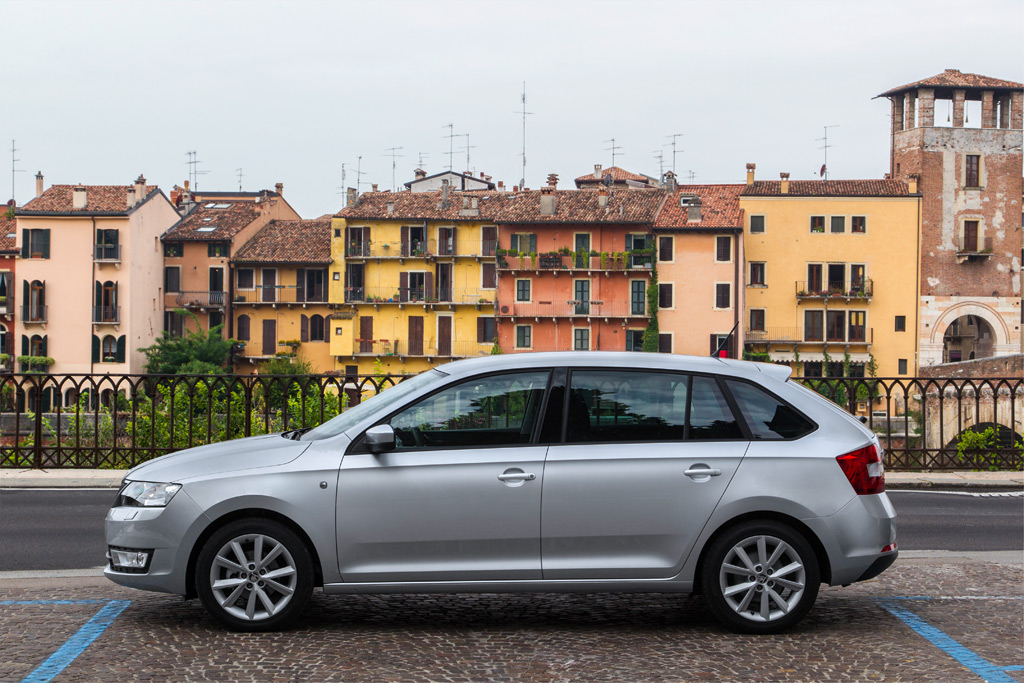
(779, 600)
(257, 599)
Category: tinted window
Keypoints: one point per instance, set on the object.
(626, 406)
(488, 411)
(710, 416)
(767, 416)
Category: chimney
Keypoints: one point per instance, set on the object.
(912, 183)
(419, 173)
(597, 171)
(670, 181)
(351, 196)
(602, 197)
(515, 188)
(784, 189)
(140, 188)
(444, 194)
(501, 186)
(131, 196)
(391, 207)
(373, 187)
(693, 214)
(78, 198)
(482, 174)
(279, 188)
(750, 173)
(547, 201)
(39, 184)
(552, 180)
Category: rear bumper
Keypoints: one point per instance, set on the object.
(857, 538)
(879, 566)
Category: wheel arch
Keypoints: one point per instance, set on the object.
(248, 513)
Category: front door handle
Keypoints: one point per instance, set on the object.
(702, 472)
(517, 476)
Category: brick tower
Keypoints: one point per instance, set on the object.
(969, 175)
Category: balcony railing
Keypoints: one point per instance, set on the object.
(572, 309)
(835, 289)
(981, 247)
(772, 335)
(6, 305)
(609, 262)
(200, 299)
(110, 315)
(427, 348)
(106, 253)
(421, 249)
(280, 294)
(31, 313)
(420, 295)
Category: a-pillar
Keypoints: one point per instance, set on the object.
(897, 114)
(958, 108)
(1016, 104)
(910, 109)
(926, 108)
(1004, 111)
(988, 109)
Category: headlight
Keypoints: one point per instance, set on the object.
(145, 494)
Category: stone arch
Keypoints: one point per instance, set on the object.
(975, 308)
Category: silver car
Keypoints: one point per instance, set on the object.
(582, 471)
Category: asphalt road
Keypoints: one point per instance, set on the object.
(63, 529)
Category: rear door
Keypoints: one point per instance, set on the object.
(646, 457)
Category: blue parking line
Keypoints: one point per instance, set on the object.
(50, 602)
(76, 644)
(968, 658)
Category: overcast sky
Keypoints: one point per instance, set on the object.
(98, 92)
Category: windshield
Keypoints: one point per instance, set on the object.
(381, 402)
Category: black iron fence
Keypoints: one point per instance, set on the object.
(118, 421)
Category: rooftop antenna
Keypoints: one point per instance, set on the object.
(673, 143)
(359, 174)
(193, 169)
(240, 175)
(468, 147)
(450, 136)
(691, 175)
(823, 174)
(393, 153)
(522, 181)
(614, 148)
(14, 168)
(660, 156)
(422, 156)
(342, 190)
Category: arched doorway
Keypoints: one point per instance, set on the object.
(967, 338)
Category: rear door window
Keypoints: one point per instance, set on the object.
(710, 415)
(766, 416)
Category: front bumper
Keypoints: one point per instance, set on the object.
(168, 532)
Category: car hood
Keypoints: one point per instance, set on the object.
(239, 454)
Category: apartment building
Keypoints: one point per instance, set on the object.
(8, 259)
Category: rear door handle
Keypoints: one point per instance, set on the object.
(517, 476)
(702, 472)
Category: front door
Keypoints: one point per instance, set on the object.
(444, 335)
(627, 494)
(458, 498)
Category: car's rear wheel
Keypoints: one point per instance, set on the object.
(760, 577)
(254, 575)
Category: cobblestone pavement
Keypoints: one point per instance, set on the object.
(850, 635)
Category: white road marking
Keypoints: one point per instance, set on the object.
(973, 494)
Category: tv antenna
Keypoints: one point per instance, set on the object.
(823, 174)
(393, 153)
(240, 175)
(14, 168)
(673, 143)
(614, 148)
(691, 175)
(359, 174)
(468, 147)
(660, 156)
(422, 156)
(451, 136)
(522, 181)
(193, 169)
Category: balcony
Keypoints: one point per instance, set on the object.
(106, 253)
(199, 299)
(835, 289)
(280, 294)
(978, 250)
(420, 249)
(572, 309)
(418, 295)
(106, 315)
(6, 305)
(33, 313)
(609, 262)
(774, 335)
(422, 349)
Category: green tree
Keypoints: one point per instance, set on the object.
(196, 352)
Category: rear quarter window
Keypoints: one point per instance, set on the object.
(766, 416)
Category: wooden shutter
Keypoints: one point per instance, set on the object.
(365, 334)
(120, 348)
(480, 330)
(45, 243)
(269, 337)
(489, 238)
(98, 299)
(300, 284)
(24, 345)
(403, 284)
(405, 240)
(455, 250)
(42, 347)
(629, 242)
(366, 240)
(428, 286)
(25, 239)
(444, 335)
(415, 335)
(26, 300)
(243, 328)
(303, 328)
(533, 244)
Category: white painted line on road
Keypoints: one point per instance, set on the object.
(52, 573)
(978, 494)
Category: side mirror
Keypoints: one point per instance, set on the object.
(380, 438)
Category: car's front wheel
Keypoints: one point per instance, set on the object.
(254, 575)
(760, 577)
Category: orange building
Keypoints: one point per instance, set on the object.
(574, 267)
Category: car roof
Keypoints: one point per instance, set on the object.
(615, 360)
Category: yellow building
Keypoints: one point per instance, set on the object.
(415, 272)
(279, 294)
(832, 269)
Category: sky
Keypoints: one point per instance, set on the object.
(293, 92)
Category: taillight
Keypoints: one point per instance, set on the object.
(863, 467)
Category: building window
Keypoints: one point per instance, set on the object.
(723, 295)
(665, 294)
(317, 328)
(242, 332)
(972, 171)
(858, 326)
(523, 242)
(337, 232)
(902, 366)
(813, 322)
(835, 330)
(245, 278)
(637, 297)
(523, 336)
(757, 273)
(969, 243)
(488, 279)
(665, 342)
(901, 323)
(217, 249)
(757, 320)
(838, 224)
(172, 279)
(812, 369)
(174, 249)
(756, 225)
(36, 243)
(486, 330)
(666, 244)
(723, 248)
(817, 224)
(634, 340)
(522, 290)
(814, 275)
(174, 324)
(108, 353)
(581, 339)
(859, 224)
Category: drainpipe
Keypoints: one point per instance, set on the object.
(92, 290)
(736, 296)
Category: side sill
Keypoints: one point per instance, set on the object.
(574, 586)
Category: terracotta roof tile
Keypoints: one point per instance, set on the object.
(227, 218)
(8, 240)
(306, 241)
(829, 188)
(425, 206)
(105, 199)
(720, 207)
(582, 206)
(951, 78)
(619, 175)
